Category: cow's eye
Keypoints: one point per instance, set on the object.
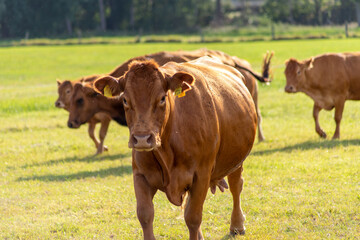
(298, 72)
(67, 91)
(162, 100)
(125, 102)
(80, 101)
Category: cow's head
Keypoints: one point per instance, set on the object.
(147, 96)
(83, 105)
(65, 89)
(295, 73)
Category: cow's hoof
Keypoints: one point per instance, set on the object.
(237, 232)
(322, 135)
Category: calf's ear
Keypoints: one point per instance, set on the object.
(180, 83)
(109, 86)
(58, 82)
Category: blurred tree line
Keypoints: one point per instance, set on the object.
(39, 18)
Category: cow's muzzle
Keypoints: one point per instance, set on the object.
(290, 89)
(74, 124)
(59, 104)
(142, 142)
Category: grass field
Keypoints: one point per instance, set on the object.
(297, 186)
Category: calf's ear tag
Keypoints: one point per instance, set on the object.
(179, 92)
(107, 91)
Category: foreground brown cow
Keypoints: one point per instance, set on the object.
(185, 143)
(329, 79)
(65, 91)
(79, 115)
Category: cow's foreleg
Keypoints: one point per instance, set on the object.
(194, 207)
(91, 132)
(237, 217)
(145, 208)
(102, 134)
(339, 108)
(318, 129)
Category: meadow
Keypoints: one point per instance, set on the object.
(297, 186)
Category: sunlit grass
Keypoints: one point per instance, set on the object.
(297, 186)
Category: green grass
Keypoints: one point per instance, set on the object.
(297, 186)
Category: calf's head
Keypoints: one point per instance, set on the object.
(295, 73)
(65, 89)
(83, 105)
(147, 98)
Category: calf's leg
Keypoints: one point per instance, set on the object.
(339, 108)
(145, 208)
(318, 129)
(102, 133)
(237, 217)
(91, 133)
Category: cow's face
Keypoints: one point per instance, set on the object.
(147, 96)
(82, 105)
(65, 89)
(295, 73)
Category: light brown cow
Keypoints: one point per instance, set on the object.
(65, 91)
(329, 79)
(185, 143)
(80, 115)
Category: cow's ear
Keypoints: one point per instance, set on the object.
(58, 82)
(310, 63)
(180, 83)
(109, 86)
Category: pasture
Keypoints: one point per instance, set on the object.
(297, 186)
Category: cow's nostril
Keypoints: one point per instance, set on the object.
(70, 125)
(134, 140)
(149, 139)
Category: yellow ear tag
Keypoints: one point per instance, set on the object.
(107, 91)
(179, 92)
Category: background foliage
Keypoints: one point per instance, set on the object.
(40, 18)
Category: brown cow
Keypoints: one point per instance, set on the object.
(329, 79)
(65, 91)
(185, 144)
(81, 115)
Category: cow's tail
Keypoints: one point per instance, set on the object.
(266, 66)
(265, 69)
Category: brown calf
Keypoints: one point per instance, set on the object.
(329, 79)
(65, 91)
(185, 144)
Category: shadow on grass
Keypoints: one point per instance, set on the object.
(114, 171)
(308, 145)
(91, 158)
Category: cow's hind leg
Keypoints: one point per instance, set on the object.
(237, 217)
(318, 129)
(339, 108)
(260, 131)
